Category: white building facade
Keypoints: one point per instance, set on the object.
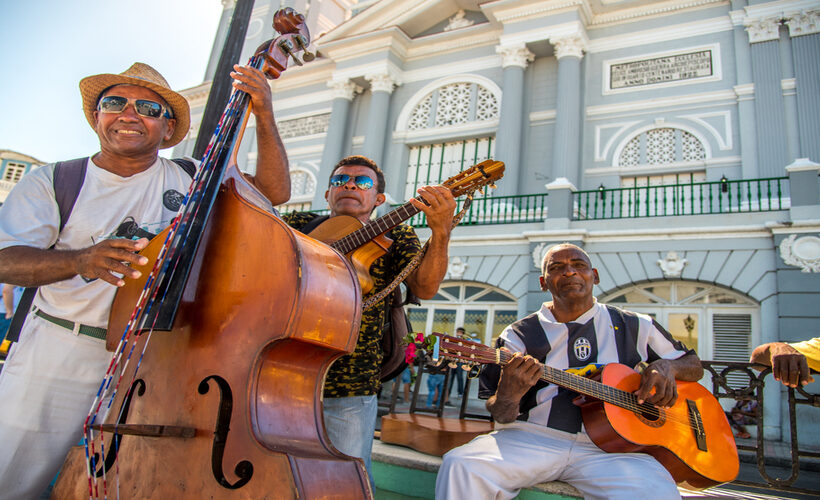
(677, 141)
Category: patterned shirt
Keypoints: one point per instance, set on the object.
(591, 338)
(357, 374)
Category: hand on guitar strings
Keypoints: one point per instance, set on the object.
(439, 208)
(658, 385)
(108, 257)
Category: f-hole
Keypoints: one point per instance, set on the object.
(111, 457)
(244, 469)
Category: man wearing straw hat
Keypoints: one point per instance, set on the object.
(79, 257)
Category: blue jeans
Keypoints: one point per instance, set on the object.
(434, 382)
(350, 423)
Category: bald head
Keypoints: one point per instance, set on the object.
(559, 247)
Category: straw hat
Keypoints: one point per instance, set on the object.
(141, 75)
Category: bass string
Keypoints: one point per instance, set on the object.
(204, 177)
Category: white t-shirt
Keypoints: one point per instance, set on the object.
(108, 206)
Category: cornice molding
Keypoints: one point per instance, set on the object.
(383, 82)
(516, 55)
(804, 23)
(570, 46)
(344, 89)
(763, 30)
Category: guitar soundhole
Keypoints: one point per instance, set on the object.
(654, 417)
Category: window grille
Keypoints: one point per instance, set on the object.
(660, 148)
(433, 163)
(733, 333)
(301, 183)
(454, 104)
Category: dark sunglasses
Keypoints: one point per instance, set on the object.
(116, 104)
(362, 182)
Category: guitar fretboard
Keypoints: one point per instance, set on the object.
(374, 228)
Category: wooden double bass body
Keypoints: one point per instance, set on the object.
(228, 404)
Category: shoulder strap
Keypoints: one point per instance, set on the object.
(68, 180)
(187, 165)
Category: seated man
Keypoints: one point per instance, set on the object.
(539, 432)
(790, 362)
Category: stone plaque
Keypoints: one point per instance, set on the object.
(307, 125)
(661, 70)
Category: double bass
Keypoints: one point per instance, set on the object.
(215, 387)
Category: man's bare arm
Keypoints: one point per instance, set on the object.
(272, 171)
(424, 282)
(28, 266)
(8, 300)
(789, 366)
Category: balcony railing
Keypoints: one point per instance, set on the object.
(497, 210)
(692, 198)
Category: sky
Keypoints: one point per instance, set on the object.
(48, 46)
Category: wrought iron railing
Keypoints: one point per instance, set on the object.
(692, 198)
(726, 384)
(497, 210)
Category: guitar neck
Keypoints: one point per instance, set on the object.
(374, 228)
(581, 385)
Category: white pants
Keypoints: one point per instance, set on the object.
(499, 464)
(46, 389)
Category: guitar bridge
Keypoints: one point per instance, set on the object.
(696, 424)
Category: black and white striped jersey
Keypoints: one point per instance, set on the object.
(603, 334)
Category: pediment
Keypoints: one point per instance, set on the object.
(414, 19)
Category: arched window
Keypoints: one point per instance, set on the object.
(454, 104)
(662, 146)
(720, 324)
(483, 310)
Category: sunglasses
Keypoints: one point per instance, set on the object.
(116, 104)
(362, 182)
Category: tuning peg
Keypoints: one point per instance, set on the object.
(493, 186)
(307, 55)
(287, 48)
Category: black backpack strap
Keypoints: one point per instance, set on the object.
(187, 165)
(68, 180)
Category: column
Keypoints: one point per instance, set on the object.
(804, 29)
(787, 84)
(510, 125)
(343, 93)
(566, 143)
(744, 90)
(772, 150)
(381, 86)
(219, 39)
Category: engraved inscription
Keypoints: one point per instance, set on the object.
(661, 70)
(307, 125)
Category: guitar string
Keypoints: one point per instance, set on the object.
(616, 396)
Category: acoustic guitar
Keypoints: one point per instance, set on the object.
(364, 243)
(692, 439)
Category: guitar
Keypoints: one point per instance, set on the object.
(692, 439)
(364, 243)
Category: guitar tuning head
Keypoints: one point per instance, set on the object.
(493, 186)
